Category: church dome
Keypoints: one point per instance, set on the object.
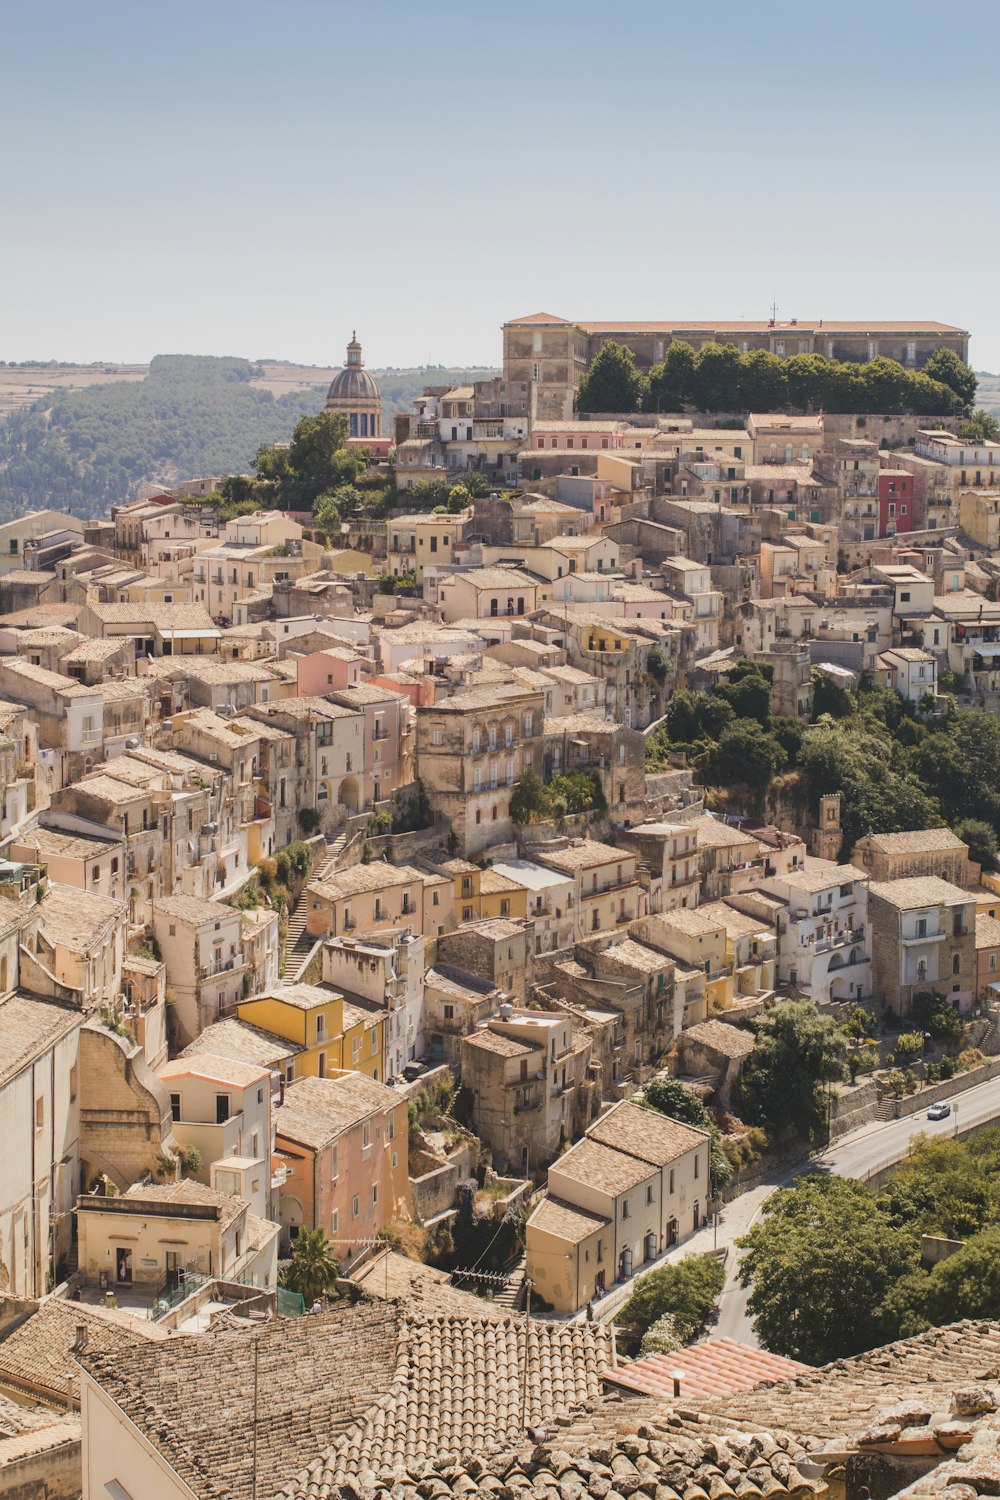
(353, 385)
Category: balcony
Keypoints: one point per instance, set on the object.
(928, 937)
(842, 938)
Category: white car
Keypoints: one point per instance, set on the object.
(939, 1111)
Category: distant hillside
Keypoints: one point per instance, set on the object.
(82, 446)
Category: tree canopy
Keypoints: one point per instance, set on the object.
(719, 378)
(613, 383)
(821, 1261)
(797, 1051)
(836, 1268)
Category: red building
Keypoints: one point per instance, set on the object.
(895, 502)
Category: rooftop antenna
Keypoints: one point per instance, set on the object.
(774, 312)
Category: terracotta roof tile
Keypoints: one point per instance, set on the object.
(716, 1367)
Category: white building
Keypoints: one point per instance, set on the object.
(824, 945)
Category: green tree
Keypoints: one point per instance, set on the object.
(684, 716)
(805, 378)
(789, 732)
(821, 1261)
(528, 798)
(763, 381)
(613, 383)
(797, 1052)
(312, 1270)
(668, 1096)
(936, 1015)
(748, 692)
(981, 838)
(746, 755)
(671, 383)
(717, 376)
(829, 697)
(687, 1289)
(946, 367)
(317, 459)
(980, 427)
(885, 384)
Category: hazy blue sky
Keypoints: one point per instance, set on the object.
(259, 176)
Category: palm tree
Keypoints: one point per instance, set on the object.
(312, 1270)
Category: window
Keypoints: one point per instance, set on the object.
(175, 1106)
(671, 1180)
(649, 1195)
(921, 927)
(39, 1113)
(366, 1135)
(374, 1193)
(956, 964)
(355, 1205)
(335, 1221)
(624, 1208)
(449, 1013)
(334, 1163)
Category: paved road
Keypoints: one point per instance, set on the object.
(859, 1154)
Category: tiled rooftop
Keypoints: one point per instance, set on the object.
(716, 1367)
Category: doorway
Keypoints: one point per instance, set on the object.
(123, 1267)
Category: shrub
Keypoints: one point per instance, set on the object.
(970, 1057)
(661, 1337)
(308, 820)
(687, 1290)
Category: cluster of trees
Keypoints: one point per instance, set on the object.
(894, 767)
(717, 377)
(534, 800)
(836, 1269)
(897, 771)
(797, 1055)
(729, 735)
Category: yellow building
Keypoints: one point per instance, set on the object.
(979, 516)
(332, 1032)
(434, 540)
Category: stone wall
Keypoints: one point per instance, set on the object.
(434, 1192)
(852, 1106)
(945, 1090)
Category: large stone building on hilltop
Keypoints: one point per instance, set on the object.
(546, 356)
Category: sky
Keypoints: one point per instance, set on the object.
(259, 177)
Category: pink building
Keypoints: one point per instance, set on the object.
(387, 736)
(324, 671)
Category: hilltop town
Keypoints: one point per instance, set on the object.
(445, 870)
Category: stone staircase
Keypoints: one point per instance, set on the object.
(511, 1294)
(298, 943)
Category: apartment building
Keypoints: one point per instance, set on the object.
(201, 944)
(389, 971)
(636, 1184)
(222, 1107)
(40, 1107)
(328, 1032)
(472, 748)
(824, 944)
(342, 1141)
(923, 939)
(526, 1071)
(606, 890)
